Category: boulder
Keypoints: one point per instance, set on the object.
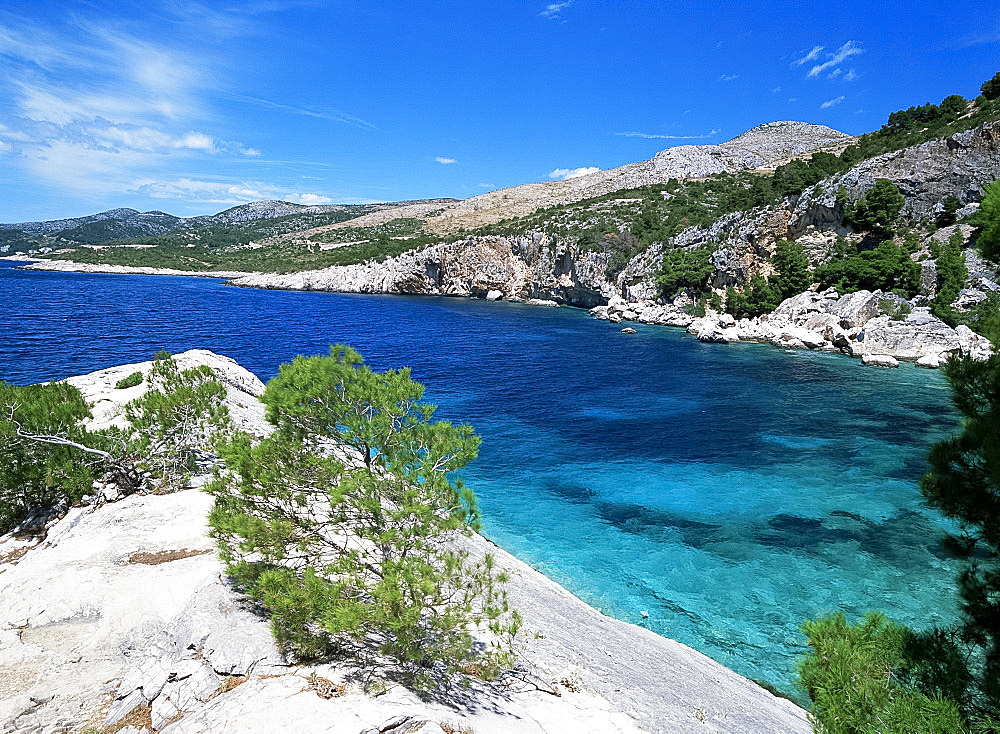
(856, 309)
(930, 361)
(628, 330)
(911, 338)
(494, 295)
(879, 360)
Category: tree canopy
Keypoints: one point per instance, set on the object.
(988, 223)
(346, 522)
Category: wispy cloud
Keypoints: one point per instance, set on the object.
(835, 59)
(322, 113)
(660, 136)
(811, 56)
(563, 174)
(775, 90)
(851, 75)
(554, 10)
(223, 192)
(97, 111)
(445, 161)
(832, 102)
(728, 77)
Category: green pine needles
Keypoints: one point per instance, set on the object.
(348, 523)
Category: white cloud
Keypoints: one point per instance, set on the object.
(835, 73)
(445, 161)
(850, 76)
(224, 192)
(849, 49)
(312, 199)
(775, 90)
(658, 136)
(5, 147)
(563, 174)
(553, 10)
(811, 56)
(832, 102)
(729, 77)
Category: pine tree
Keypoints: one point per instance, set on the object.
(347, 521)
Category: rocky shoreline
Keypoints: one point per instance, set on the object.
(853, 324)
(118, 615)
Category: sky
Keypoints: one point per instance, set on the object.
(193, 107)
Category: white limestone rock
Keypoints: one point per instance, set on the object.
(879, 360)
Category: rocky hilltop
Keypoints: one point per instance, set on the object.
(763, 147)
(118, 615)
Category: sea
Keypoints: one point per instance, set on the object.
(716, 494)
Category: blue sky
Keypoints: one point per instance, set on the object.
(192, 107)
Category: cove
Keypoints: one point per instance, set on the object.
(727, 492)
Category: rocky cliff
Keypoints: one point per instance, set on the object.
(118, 615)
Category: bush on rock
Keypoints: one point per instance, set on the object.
(346, 522)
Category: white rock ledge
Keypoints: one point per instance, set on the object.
(90, 634)
(851, 324)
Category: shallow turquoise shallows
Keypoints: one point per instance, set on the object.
(727, 492)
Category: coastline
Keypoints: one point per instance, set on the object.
(586, 673)
(854, 324)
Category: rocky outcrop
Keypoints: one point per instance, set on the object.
(513, 268)
(853, 324)
(120, 615)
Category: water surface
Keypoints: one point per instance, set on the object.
(726, 491)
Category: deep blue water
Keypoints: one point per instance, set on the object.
(728, 491)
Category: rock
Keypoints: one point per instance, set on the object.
(930, 361)
(972, 344)
(542, 302)
(917, 335)
(879, 360)
(628, 330)
(494, 295)
(856, 309)
(969, 297)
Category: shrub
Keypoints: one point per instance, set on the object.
(682, 269)
(878, 209)
(951, 274)
(888, 267)
(345, 522)
(39, 474)
(852, 676)
(130, 381)
(987, 221)
(991, 88)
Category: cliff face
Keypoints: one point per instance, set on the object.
(514, 268)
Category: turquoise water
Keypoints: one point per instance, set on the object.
(727, 491)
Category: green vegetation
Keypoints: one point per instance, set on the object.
(761, 296)
(876, 212)
(964, 484)
(887, 267)
(951, 274)
(949, 210)
(51, 460)
(991, 88)
(879, 676)
(41, 474)
(987, 223)
(688, 269)
(856, 677)
(129, 381)
(346, 522)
